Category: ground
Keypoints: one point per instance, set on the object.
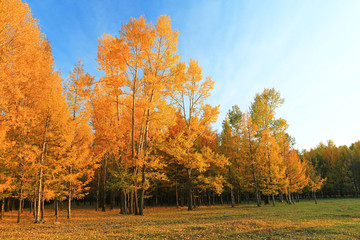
(329, 219)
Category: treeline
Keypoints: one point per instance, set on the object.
(339, 165)
(140, 135)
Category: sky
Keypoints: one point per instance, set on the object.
(309, 51)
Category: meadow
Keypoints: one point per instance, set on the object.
(329, 219)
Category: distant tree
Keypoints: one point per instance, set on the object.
(355, 166)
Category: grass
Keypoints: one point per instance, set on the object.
(329, 219)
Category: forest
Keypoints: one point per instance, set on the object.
(142, 135)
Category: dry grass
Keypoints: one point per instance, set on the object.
(330, 219)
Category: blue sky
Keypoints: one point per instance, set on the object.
(307, 50)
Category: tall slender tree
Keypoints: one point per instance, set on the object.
(251, 165)
(194, 116)
(79, 159)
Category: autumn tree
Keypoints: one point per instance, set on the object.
(139, 67)
(263, 111)
(273, 166)
(230, 147)
(51, 132)
(79, 160)
(31, 99)
(19, 43)
(315, 182)
(251, 165)
(193, 118)
(213, 179)
(227, 148)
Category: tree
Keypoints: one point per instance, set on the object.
(274, 169)
(250, 164)
(79, 162)
(139, 68)
(230, 147)
(31, 103)
(355, 165)
(193, 118)
(315, 182)
(263, 112)
(20, 44)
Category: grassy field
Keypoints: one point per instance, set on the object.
(329, 219)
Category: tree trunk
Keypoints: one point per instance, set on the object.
(136, 203)
(56, 208)
(2, 209)
(156, 196)
(239, 194)
(103, 185)
(125, 202)
(177, 195)
(190, 207)
(232, 196)
(20, 203)
(142, 191)
(200, 199)
(131, 199)
(314, 193)
(281, 197)
(35, 207)
(209, 198)
(267, 199)
(132, 202)
(98, 189)
(273, 199)
(8, 204)
(290, 199)
(181, 198)
(40, 187)
(112, 199)
(42, 206)
(259, 196)
(133, 133)
(122, 202)
(287, 198)
(256, 187)
(69, 197)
